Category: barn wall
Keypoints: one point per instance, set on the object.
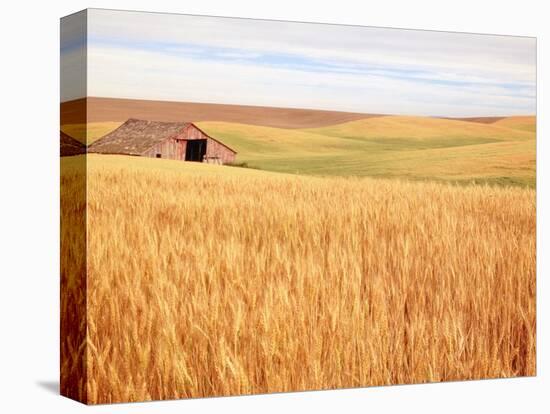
(171, 149)
(192, 133)
(217, 153)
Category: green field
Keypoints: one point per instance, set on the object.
(414, 148)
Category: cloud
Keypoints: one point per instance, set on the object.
(287, 64)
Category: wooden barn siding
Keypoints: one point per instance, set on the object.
(218, 154)
(171, 149)
(174, 148)
(192, 133)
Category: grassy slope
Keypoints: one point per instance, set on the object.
(407, 147)
(421, 130)
(522, 123)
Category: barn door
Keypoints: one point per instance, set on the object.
(196, 150)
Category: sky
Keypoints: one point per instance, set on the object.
(298, 65)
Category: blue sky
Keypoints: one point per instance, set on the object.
(303, 65)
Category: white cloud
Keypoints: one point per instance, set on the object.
(454, 74)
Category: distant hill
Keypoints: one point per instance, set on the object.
(521, 123)
(434, 132)
(110, 109)
(415, 148)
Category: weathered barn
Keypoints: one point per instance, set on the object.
(173, 140)
(70, 146)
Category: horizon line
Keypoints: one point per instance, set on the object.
(297, 108)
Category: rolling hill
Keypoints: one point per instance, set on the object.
(431, 131)
(496, 150)
(521, 123)
(416, 148)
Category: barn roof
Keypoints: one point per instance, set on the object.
(136, 136)
(70, 146)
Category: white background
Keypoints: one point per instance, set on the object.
(29, 207)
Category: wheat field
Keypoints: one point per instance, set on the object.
(208, 280)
